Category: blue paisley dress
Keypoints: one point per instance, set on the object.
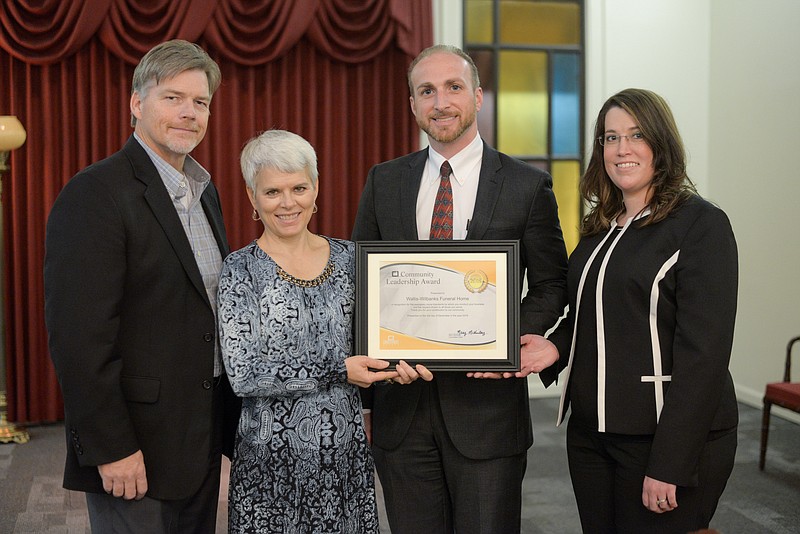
(302, 463)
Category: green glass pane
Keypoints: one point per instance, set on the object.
(539, 23)
(478, 21)
(522, 103)
(566, 175)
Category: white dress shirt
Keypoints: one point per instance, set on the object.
(466, 167)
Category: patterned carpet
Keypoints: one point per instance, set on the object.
(32, 500)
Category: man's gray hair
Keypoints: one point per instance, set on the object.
(169, 59)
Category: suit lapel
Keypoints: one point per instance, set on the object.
(490, 181)
(157, 197)
(409, 190)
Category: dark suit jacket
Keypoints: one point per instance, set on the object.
(484, 418)
(131, 329)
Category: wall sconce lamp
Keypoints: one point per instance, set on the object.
(12, 136)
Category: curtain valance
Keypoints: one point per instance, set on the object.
(247, 32)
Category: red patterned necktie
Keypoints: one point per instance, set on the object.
(442, 221)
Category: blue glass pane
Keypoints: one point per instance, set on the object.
(565, 102)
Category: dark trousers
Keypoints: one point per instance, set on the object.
(195, 515)
(608, 472)
(430, 487)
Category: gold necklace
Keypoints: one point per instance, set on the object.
(319, 280)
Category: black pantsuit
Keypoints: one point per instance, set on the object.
(607, 472)
(646, 346)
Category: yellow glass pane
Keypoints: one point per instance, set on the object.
(539, 23)
(479, 21)
(566, 175)
(522, 103)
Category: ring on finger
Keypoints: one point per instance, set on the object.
(659, 502)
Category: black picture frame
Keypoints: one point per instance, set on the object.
(371, 335)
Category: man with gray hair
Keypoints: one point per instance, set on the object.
(134, 248)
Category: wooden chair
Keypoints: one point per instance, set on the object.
(785, 394)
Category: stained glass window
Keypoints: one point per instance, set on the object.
(529, 55)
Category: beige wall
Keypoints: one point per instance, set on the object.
(661, 45)
(729, 70)
(754, 144)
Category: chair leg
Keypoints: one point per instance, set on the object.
(764, 434)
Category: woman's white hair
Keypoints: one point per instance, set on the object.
(279, 150)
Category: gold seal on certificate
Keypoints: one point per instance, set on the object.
(450, 305)
(476, 281)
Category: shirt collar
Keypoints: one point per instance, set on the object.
(461, 163)
(193, 175)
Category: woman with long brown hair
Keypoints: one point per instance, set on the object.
(646, 344)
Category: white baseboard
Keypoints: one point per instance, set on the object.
(756, 400)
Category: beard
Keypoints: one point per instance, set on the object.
(182, 147)
(465, 121)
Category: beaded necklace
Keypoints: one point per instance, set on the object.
(319, 280)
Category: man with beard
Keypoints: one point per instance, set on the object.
(134, 248)
(451, 453)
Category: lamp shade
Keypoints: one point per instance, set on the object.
(12, 134)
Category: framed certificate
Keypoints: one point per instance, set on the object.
(449, 305)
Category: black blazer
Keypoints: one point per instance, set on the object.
(131, 329)
(669, 298)
(514, 201)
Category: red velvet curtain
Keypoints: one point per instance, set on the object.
(331, 70)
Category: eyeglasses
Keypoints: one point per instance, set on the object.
(614, 139)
